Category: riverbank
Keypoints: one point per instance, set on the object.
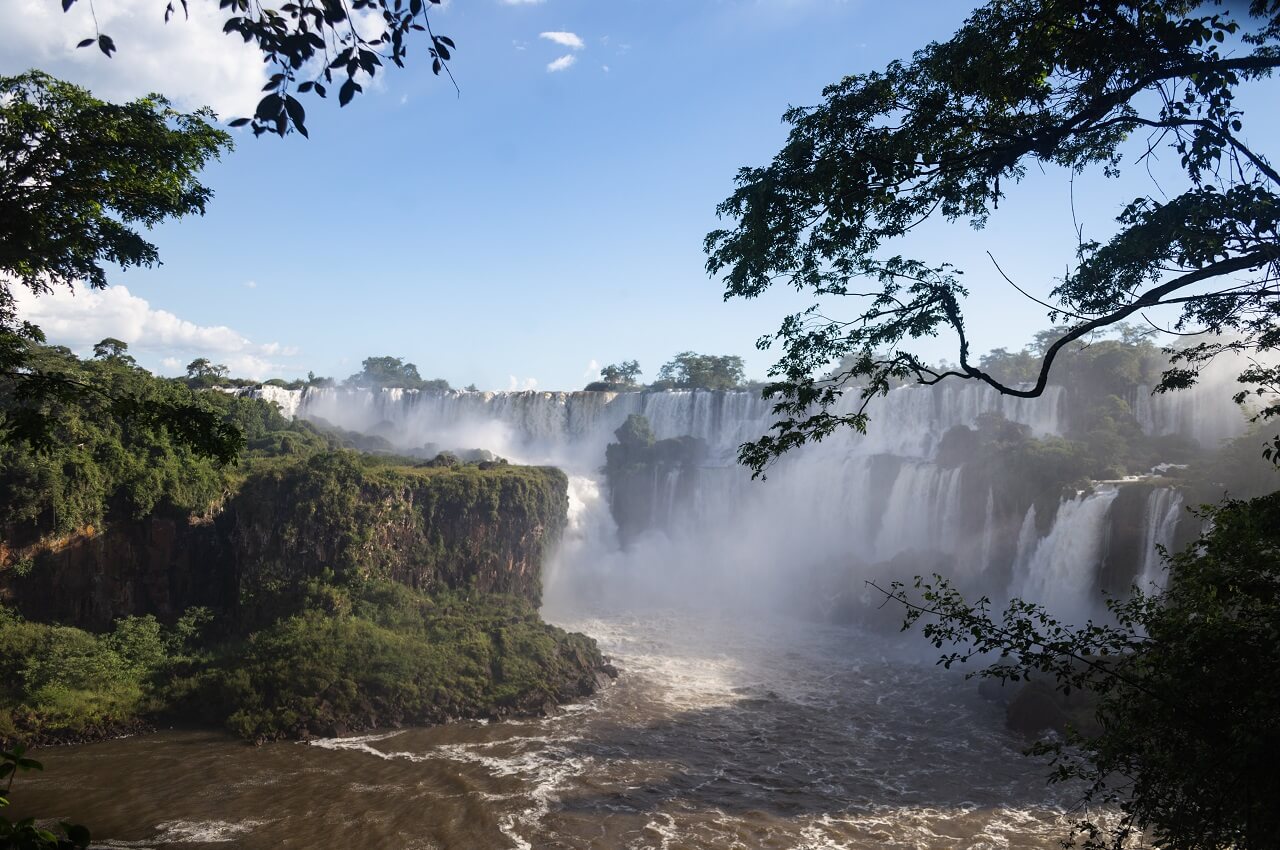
(721, 728)
(376, 654)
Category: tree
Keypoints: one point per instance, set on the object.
(308, 41)
(114, 350)
(622, 374)
(690, 371)
(1023, 84)
(380, 372)
(1183, 730)
(617, 377)
(203, 369)
(79, 178)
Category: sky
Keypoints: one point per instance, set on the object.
(543, 221)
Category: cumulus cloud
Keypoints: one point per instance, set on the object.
(80, 319)
(565, 39)
(515, 384)
(188, 59)
(563, 62)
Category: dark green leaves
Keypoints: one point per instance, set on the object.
(1181, 730)
(944, 134)
(301, 34)
(104, 172)
(348, 91)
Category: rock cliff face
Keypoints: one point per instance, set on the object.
(460, 528)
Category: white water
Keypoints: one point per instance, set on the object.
(830, 514)
(1164, 508)
(1052, 570)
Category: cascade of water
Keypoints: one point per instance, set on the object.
(1027, 537)
(850, 499)
(1053, 570)
(1164, 508)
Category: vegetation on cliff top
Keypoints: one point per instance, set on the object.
(322, 637)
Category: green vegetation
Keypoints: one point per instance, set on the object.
(97, 466)
(372, 588)
(378, 653)
(690, 371)
(1023, 86)
(62, 683)
(26, 834)
(635, 462)
(354, 655)
(618, 377)
(1186, 726)
(73, 197)
(386, 372)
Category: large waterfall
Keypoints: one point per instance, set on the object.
(828, 515)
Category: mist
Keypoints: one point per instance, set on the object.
(826, 519)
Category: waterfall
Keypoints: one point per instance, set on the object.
(844, 505)
(1056, 570)
(1164, 508)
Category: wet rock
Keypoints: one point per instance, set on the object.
(1037, 708)
(996, 690)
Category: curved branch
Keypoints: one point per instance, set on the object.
(1151, 298)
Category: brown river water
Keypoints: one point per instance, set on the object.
(721, 732)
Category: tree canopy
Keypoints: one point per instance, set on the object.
(380, 372)
(1022, 84)
(309, 42)
(691, 371)
(618, 377)
(79, 179)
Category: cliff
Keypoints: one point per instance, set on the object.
(335, 514)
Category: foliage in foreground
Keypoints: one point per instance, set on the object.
(80, 179)
(1186, 682)
(25, 834)
(1022, 86)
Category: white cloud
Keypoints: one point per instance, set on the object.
(604, 68)
(80, 319)
(251, 284)
(563, 62)
(515, 384)
(189, 60)
(566, 39)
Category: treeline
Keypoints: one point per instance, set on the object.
(686, 371)
(375, 373)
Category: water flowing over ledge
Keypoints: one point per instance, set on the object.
(849, 503)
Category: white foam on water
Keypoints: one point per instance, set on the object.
(191, 832)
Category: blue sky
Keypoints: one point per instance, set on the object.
(539, 221)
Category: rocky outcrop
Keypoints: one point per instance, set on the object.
(157, 565)
(462, 528)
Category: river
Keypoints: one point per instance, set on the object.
(722, 731)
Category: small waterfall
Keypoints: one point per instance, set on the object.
(1053, 570)
(1164, 508)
